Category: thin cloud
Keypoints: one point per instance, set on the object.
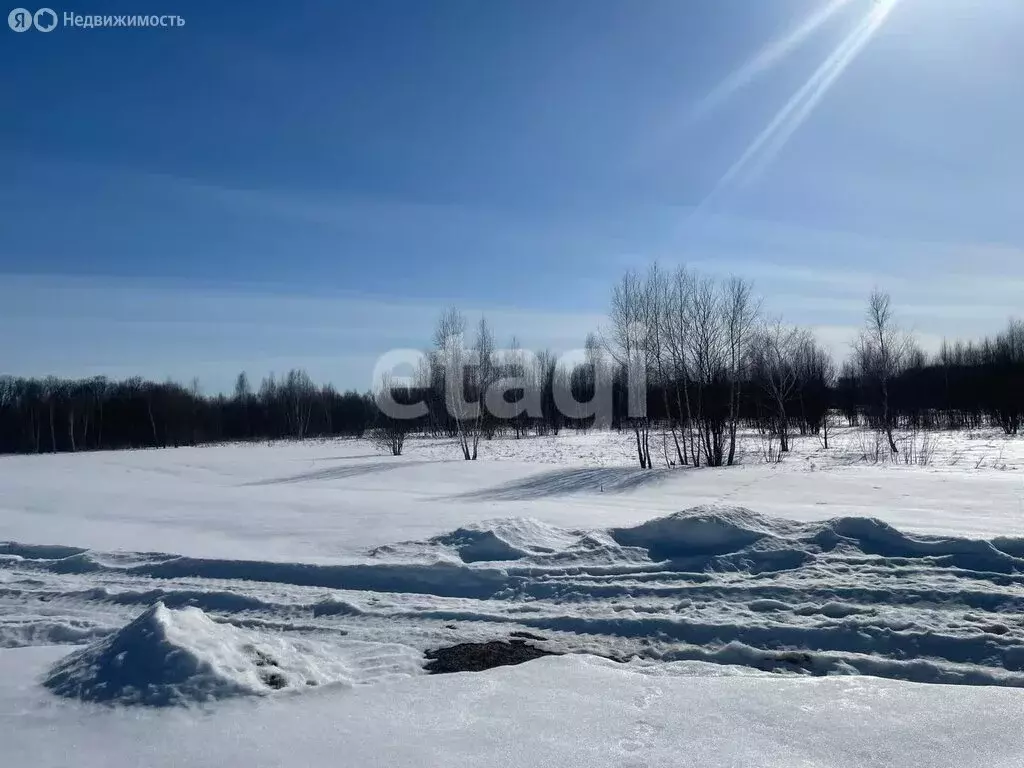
(81, 326)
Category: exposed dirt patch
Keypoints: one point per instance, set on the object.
(269, 670)
(476, 657)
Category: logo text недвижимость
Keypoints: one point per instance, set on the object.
(47, 19)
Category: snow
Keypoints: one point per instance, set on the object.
(183, 657)
(714, 583)
(565, 711)
(317, 501)
(774, 614)
(505, 540)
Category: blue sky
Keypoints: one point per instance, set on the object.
(309, 184)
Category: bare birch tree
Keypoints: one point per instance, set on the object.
(675, 334)
(740, 311)
(486, 374)
(657, 298)
(450, 357)
(706, 351)
(628, 344)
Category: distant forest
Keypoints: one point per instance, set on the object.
(713, 365)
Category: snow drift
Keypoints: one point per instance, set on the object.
(709, 537)
(711, 583)
(509, 539)
(528, 541)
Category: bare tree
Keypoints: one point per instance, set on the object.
(880, 351)
(243, 395)
(467, 377)
(389, 432)
(523, 380)
(450, 357)
(706, 350)
(740, 312)
(775, 356)
(486, 374)
(628, 343)
(551, 387)
(299, 393)
(676, 331)
(658, 300)
(816, 380)
(593, 378)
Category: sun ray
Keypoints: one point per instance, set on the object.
(782, 136)
(765, 59)
(770, 141)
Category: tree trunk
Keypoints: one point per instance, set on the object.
(886, 422)
(639, 447)
(152, 421)
(53, 432)
(783, 430)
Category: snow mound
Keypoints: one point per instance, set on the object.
(875, 537)
(172, 657)
(701, 531)
(506, 539)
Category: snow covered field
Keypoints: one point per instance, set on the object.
(298, 585)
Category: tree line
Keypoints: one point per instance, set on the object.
(697, 360)
(687, 358)
(716, 363)
(55, 415)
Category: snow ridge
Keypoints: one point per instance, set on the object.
(711, 583)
